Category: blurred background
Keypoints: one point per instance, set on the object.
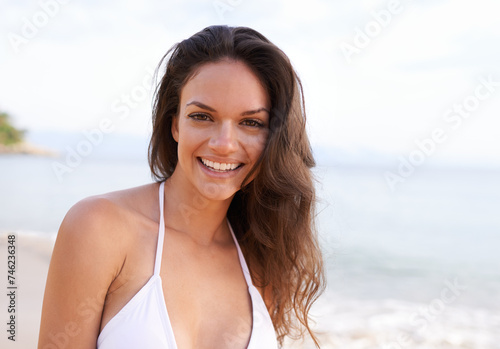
(403, 103)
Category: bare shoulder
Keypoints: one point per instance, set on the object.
(92, 245)
(102, 226)
(104, 215)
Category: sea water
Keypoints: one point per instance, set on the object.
(413, 268)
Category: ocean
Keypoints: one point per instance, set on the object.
(415, 268)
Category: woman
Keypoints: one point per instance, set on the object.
(223, 240)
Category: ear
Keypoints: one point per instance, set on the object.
(175, 128)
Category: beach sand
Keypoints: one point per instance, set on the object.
(32, 263)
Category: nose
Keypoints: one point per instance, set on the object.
(224, 140)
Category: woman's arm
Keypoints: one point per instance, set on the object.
(86, 259)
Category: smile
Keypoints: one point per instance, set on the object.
(219, 166)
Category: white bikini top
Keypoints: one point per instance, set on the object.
(144, 323)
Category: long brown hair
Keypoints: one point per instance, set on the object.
(273, 215)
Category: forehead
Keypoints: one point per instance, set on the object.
(225, 84)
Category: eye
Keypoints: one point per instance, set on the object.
(199, 116)
(253, 123)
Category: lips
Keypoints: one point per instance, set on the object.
(220, 166)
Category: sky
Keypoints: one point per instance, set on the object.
(380, 77)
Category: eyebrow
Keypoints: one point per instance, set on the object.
(206, 107)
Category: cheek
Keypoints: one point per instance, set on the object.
(255, 145)
(185, 145)
(189, 137)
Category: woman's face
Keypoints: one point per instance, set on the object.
(221, 129)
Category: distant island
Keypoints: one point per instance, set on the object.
(12, 140)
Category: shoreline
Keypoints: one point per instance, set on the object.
(26, 148)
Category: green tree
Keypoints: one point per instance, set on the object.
(8, 133)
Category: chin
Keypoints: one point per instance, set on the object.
(218, 192)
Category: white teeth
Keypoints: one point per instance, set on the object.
(219, 166)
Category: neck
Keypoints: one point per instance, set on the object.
(189, 212)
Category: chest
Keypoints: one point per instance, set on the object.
(207, 299)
